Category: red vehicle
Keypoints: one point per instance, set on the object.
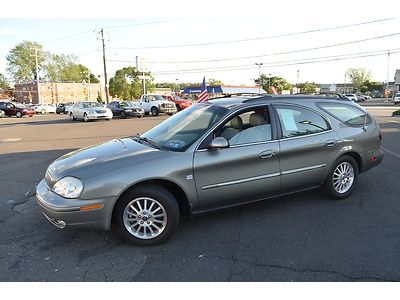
(179, 102)
(16, 109)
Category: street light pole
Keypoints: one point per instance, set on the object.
(269, 81)
(37, 74)
(259, 76)
(387, 84)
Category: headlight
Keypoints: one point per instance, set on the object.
(68, 187)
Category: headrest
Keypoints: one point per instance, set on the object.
(236, 122)
(256, 119)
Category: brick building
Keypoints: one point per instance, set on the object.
(57, 92)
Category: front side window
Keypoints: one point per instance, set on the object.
(348, 114)
(298, 121)
(179, 132)
(250, 126)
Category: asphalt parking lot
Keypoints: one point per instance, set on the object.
(303, 237)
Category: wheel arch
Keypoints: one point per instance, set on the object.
(173, 188)
(356, 157)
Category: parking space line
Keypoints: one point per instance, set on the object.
(391, 152)
(10, 140)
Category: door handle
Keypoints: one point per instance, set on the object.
(267, 154)
(330, 143)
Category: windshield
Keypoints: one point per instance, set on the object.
(91, 104)
(155, 97)
(19, 105)
(179, 132)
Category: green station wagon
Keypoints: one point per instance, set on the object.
(212, 155)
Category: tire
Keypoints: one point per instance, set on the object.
(147, 216)
(154, 111)
(71, 116)
(85, 117)
(342, 178)
(18, 114)
(57, 112)
(123, 115)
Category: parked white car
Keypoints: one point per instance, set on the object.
(156, 104)
(88, 111)
(45, 108)
(396, 98)
(352, 97)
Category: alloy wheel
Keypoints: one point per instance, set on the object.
(145, 218)
(343, 177)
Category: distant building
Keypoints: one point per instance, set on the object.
(220, 90)
(344, 88)
(162, 91)
(327, 88)
(397, 81)
(57, 92)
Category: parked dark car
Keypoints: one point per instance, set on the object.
(17, 109)
(212, 155)
(125, 109)
(61, 108)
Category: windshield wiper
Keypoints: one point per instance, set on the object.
(139, 138)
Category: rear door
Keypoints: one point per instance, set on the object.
(307, 145)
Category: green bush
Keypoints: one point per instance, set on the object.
(396, 113)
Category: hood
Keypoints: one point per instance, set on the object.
(73, 163)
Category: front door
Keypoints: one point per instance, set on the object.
(247, 170)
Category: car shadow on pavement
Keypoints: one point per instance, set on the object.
(36, 122)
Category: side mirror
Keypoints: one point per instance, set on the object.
(219, 143)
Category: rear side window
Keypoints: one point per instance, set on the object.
(348, 114)
(299, 121)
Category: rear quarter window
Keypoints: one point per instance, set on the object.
(347, 114)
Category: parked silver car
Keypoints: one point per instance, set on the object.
(209, 156)
(88, 111)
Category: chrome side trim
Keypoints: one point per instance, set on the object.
(306, 135)
(303, 169)
(211, 186)
(244, 145)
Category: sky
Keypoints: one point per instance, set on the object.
(183, 41)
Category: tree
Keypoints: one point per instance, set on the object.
(279, 83)
(359, 77)
(307, 87)
(21, 60)
(213, 81)
(372, 86)
(3, 82)
(127, 85)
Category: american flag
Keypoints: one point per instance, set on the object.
(203, 96)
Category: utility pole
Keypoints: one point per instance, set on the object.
(387, 83)
(37, 74)
(259, 77)
(104, 63)
(298, 81)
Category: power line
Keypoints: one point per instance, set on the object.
(68, 36)
(253, 39)
(274, 54)
(275, 64)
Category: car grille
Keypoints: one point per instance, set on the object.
(168, 105)
(100, 111)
